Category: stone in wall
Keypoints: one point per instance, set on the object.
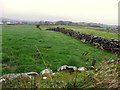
(107, 44)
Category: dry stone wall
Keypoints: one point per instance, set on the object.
(103, 43)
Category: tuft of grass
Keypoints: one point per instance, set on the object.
(104, 76)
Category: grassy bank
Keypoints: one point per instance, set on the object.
(104, 77)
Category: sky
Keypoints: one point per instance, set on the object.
(97, 11)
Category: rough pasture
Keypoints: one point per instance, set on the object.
(107, 44)
(21, 55)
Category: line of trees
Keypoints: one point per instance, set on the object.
(56, 23)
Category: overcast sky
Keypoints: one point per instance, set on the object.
(100, 11)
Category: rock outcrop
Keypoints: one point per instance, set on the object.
(32, 73)
(45, 71)
(65, 67)
(13, 76)
(81, 69)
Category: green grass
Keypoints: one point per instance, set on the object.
(19, 51)
(105, 76)
(83, 29)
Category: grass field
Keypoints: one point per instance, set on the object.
(92, 31)
(21, 43)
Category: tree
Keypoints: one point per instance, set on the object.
(38, 26)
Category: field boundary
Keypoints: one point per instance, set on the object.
(111, 45)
